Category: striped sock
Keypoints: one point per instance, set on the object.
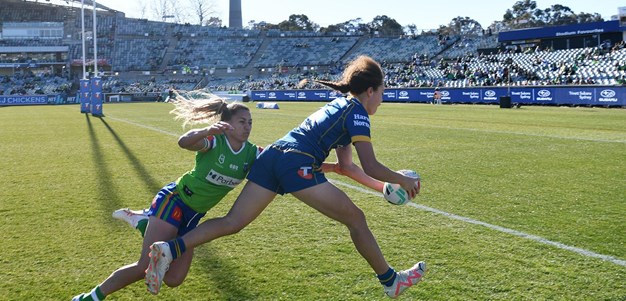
(95, 295)
(177, 247)
(97, 292)
(388, 277)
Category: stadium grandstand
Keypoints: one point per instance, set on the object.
(41, 54)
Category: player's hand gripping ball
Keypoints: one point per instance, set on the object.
(395, 194)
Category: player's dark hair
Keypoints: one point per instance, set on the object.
(229, 109)
(360, 74)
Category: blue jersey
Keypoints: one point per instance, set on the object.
(293, 162)
(341, 122)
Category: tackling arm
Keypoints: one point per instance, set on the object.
(196, 139)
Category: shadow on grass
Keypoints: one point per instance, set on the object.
(224, 276)
(149, 181)
(107, 193)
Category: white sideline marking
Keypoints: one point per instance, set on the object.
(498, 228)
(144, 126)
(450, 215)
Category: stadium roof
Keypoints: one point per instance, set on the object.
(74, 3)
(33, 49)
(560, 31)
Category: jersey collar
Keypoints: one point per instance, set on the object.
(231, 148)
(353, 98)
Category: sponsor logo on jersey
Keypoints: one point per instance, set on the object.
(360, 120)
(177, 215)
(187, 190)
(306, 172)
(222, 180)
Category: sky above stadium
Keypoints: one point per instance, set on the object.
(424, 14)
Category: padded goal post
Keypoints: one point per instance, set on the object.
(96, 97)
(85, 97)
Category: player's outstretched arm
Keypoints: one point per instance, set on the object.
(196, 139)
(347, 168)
(378, 171)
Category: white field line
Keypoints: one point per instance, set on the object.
(143, 126)
(449, 215)
(498, 228)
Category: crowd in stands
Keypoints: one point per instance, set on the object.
(585, 66)
(588, 66)
(150, 85)
(29, 83)
(532, 67)
(425, 60)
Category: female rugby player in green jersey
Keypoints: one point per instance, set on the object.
(293, 164)
(223, 158)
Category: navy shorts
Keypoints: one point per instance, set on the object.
(285, 171)
(168, 206)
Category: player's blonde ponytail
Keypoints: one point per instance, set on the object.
(199, 107)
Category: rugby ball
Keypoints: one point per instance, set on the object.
(409, 173)
(395, 194)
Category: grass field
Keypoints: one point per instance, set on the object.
(516, 204)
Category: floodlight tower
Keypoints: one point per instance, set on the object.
(234, 14)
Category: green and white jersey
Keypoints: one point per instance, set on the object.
(216, 172)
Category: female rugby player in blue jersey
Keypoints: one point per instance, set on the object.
(223, 158)
(293, 164)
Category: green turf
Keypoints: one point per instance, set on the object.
(556, 173)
